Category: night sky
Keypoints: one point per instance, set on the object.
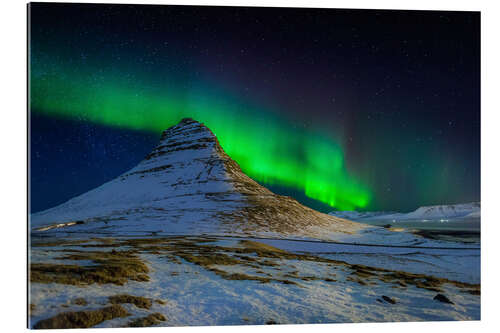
(342, 109)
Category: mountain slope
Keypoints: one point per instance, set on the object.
(188, 184)
(354, 215)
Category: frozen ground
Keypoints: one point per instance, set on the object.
(233, 281)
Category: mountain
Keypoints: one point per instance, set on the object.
(189, 185)
(445, 211)
(437, 212)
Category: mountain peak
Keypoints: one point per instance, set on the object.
(188, 184)
(188, 120)
(188, 134)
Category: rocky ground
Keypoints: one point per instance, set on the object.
(210, 280)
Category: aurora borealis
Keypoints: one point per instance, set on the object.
(284, 155)
(331, 110)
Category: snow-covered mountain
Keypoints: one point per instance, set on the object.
(445, 211)
(187, 184)
(438, 212)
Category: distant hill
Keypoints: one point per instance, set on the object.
(437, 212)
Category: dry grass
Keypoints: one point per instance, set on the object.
(56, 242)
(116, 267)
(260, 247)
(207, 259)
(140, 302)
(208, 255)
(120, 266)
(147, 321)
(80, 301)
(82, 319)
(427, 282)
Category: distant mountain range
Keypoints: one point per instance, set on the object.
(438, 212)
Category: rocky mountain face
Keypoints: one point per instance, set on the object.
(188, 185)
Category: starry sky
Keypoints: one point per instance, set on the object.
(341, 109)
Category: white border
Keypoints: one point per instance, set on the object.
(13, 163)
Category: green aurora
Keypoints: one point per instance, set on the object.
(268, 148)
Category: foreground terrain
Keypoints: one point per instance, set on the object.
(213, 280)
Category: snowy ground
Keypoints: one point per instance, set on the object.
(228, 281)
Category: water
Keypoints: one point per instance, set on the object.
(457, 230)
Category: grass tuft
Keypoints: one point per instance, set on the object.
(147, 321)
(116, 267)
(140, 302)
(80, 301)
(82, 319)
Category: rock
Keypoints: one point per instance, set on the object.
(443, 298)
(80, 301)
(389, 299)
